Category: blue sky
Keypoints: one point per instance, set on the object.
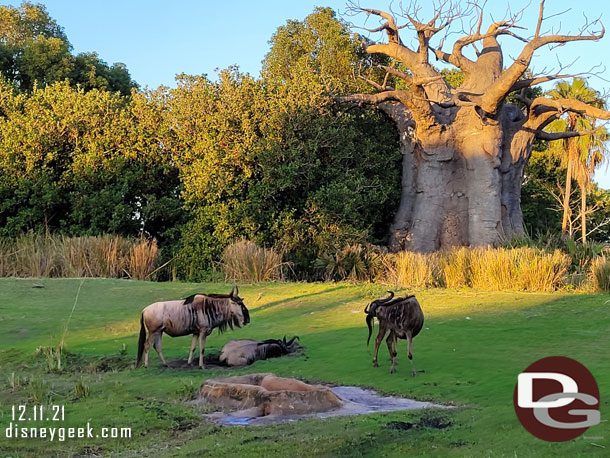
(158, 39)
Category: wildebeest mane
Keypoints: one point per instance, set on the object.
(191, 298)
(215, 308)
(397, 300)
(270, 348)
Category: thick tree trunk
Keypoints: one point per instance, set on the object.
(461, 186)
(464, 149)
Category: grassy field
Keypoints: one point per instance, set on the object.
(472, 347)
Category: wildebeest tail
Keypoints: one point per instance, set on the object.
(141, 341)
(369, 323)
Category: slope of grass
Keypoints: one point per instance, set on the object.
(472, 347)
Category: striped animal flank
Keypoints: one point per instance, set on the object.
(246, 351)
(197, 315)
(402, 317)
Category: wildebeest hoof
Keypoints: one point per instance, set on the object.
(392, 370)
(414, 373)
(375, 364)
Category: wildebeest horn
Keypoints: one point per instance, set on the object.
(387, 299)
(290, 342)
(234, 291)
(373, 305)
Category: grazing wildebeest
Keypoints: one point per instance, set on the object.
(198, 315)
(402, 316)
(242, 352)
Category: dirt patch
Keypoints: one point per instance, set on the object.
(78, 363)
(400, 425)
(435, 422)
(211, 361)
(427, 421)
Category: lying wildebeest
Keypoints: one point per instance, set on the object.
(198, 315)
(245, 351)
(402, 316)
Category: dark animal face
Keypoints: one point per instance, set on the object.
(370, 312)
(238, 307)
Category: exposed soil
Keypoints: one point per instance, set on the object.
(427, 421)
(210, 361)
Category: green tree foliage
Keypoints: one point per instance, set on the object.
(580, 155)
(35, 50)
(270, 159)
(554, 165)
(81, 163)
(274, 160)
(543, 175)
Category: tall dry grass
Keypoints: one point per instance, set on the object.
(525, 269)
(455, 267)
(246, 261)
(522, 269)
(34, 255)
(408, 269)
(600, 274)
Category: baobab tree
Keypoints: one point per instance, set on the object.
(464, 149)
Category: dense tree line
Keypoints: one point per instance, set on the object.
(211, 161)
(271, 159)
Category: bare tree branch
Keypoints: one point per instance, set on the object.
(561, 135)
(370, 99)
(493, 98)
(544, 110)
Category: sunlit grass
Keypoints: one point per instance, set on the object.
(471, 348)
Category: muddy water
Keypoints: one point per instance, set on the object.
(356, 401)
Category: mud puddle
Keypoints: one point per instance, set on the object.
(355, 401)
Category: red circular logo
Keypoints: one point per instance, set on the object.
(556, 399)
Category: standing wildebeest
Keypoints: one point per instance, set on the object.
(242, 352)
(198, 315)
(402, 316)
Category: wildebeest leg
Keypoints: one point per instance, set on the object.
(409, 346)
(390, 342)
(147, 345)
(193, 346)
(157, 346)
(393, 368)
(202, 337)
(378, 339)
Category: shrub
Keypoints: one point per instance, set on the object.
(81, 389)
(246, 261)
(355, 262)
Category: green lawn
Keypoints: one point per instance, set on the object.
(472, 347)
